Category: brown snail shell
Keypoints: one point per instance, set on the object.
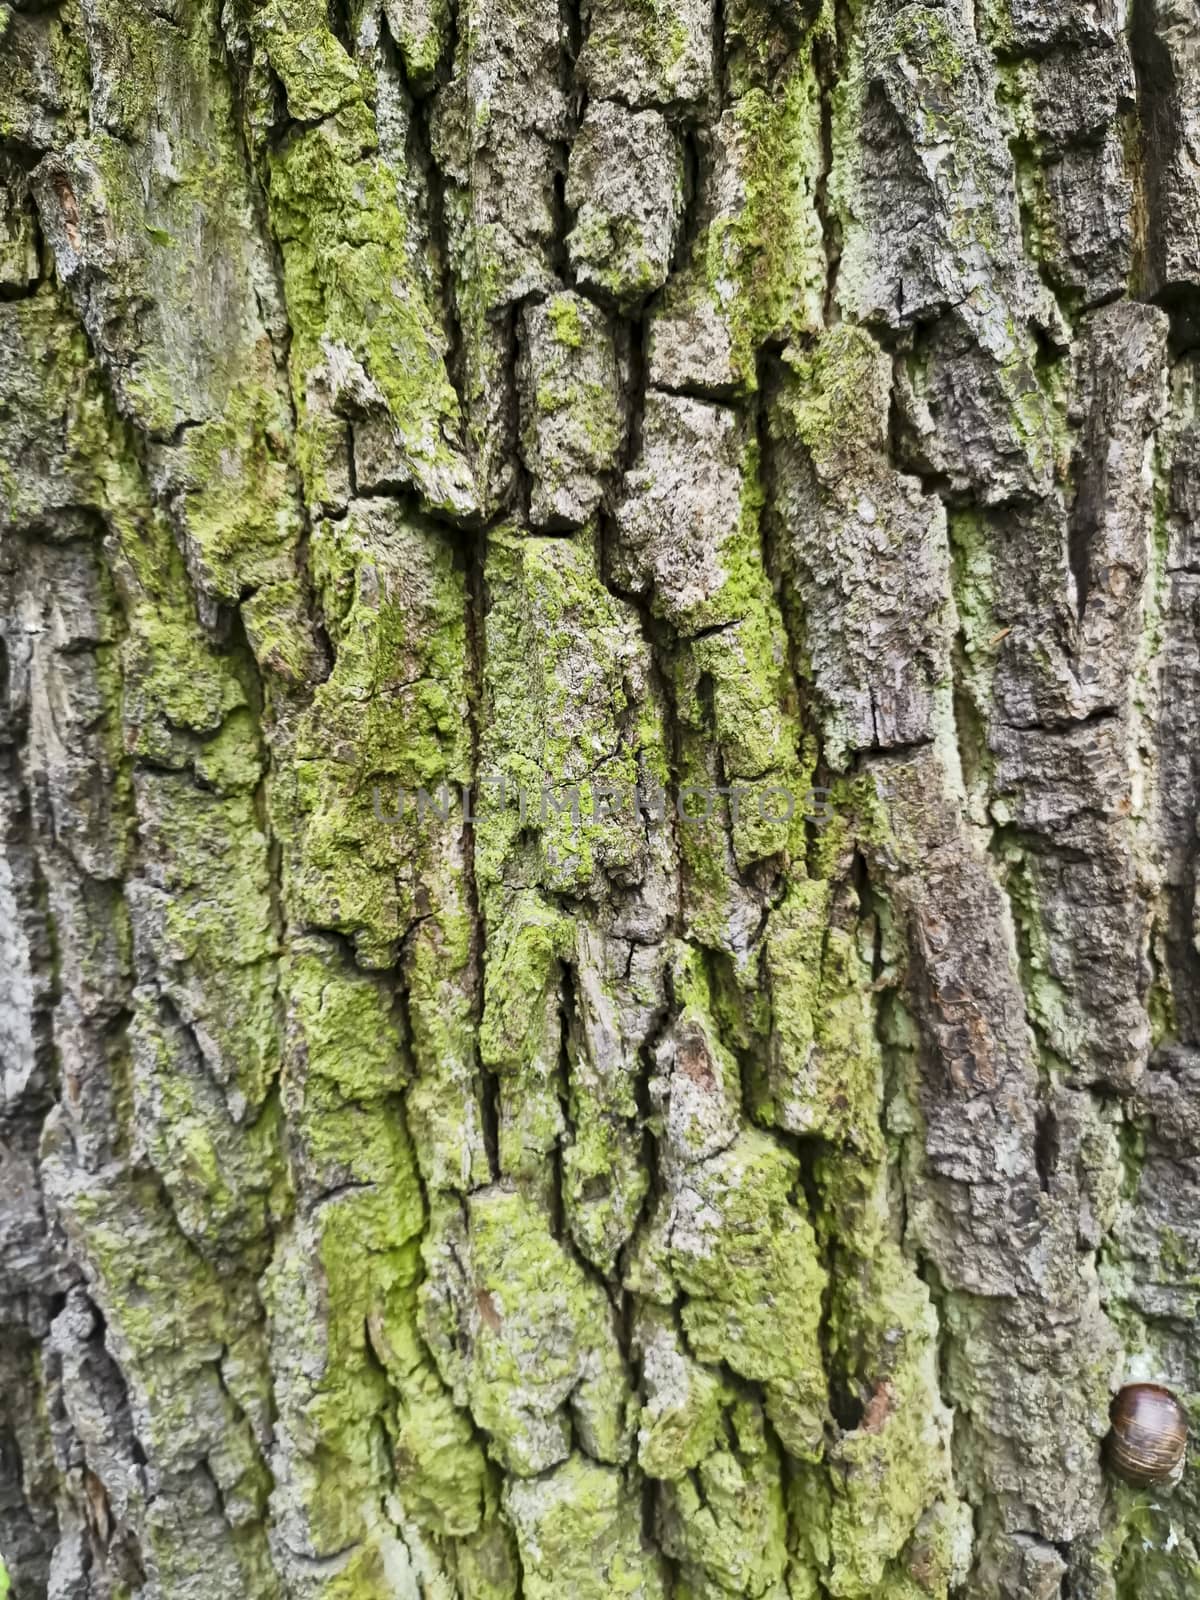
(1149, 1434)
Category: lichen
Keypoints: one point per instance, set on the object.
(744, 1253)
(726, 1523)
(390, 718)
(366, 341)
(766, 260)
(578, 1529)
(533, 1345)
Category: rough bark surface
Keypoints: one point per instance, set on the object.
(564, 1196)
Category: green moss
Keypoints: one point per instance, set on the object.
(921, 33)
(545, 1334)
(652, 32)
(226, 1181)
(557, 718)
(725, 1524)
(885, 1509)
(698, 1040)
(315, 70)
(168, 1312)
(1039, 395)
(759, 39)
(445, 1109)
(520, 1035)
(734, 688)
(241, 500)
(201, 354)
(366, 1575)
(604, 1177)
(354, 1319)
(795, 939)
(351, 1037)
(573, 431)
(143, 56)
(67, 49)
(391, 716)
(170, 703)
(352, 285)
(520, 980)
(613, 249)
(890, 1470)
(891, 1509)
(421, 29)
(1049, 1004)
(579, 1533)
(487, 1566)
(769, 252)
(748, 1261)
(217, 921)
(176, 683)
(824, 1075)
(279, 632)
(837, 398)
(395, 607)
(1178, 1258)
(1150, 1546)
(566, 321)
(682, 1420)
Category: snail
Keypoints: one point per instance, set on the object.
(1149, 1435)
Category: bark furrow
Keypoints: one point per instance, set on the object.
(598, 806)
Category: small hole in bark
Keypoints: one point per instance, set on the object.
(1046, 1147)
(846, 1407)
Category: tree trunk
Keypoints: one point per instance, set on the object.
(599, 660)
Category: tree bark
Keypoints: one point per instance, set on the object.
(599, 664)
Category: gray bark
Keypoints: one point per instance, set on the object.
(599, 661)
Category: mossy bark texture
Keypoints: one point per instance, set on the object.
(599, 668)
